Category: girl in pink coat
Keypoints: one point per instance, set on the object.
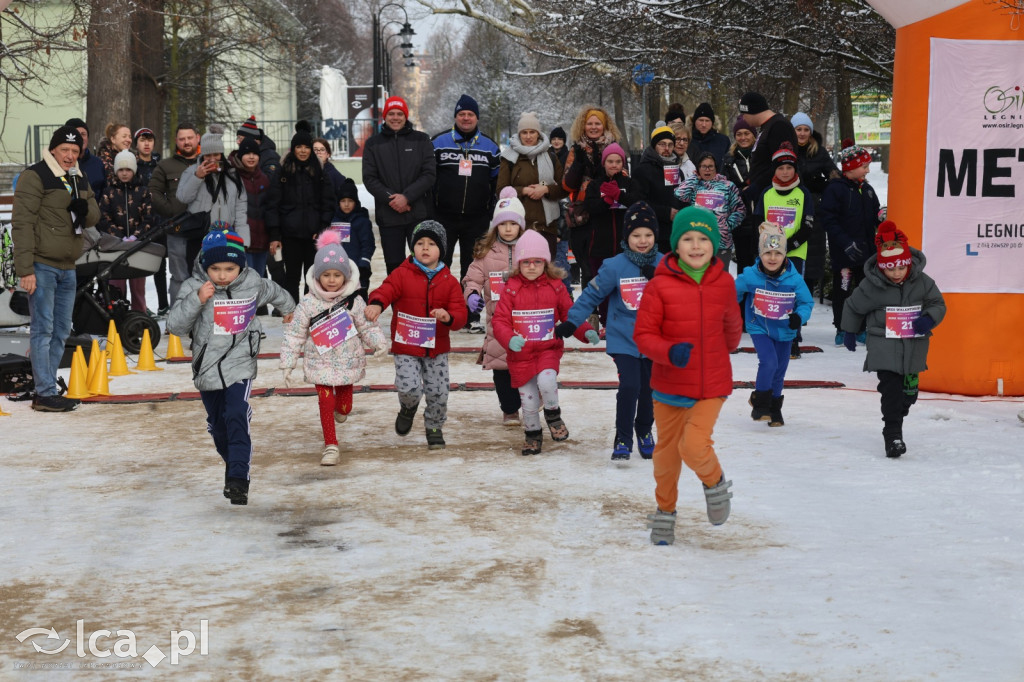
(529, 321)
(482, 287)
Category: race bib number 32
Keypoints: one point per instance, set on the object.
(233, 316)
(899, 321)
(415, 331)
(534, 325)
(774, 305)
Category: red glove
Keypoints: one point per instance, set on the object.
(610, 192)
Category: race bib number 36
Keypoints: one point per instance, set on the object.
(774, 305)
(710, 200)
(632, 290)
(332, 331)
(233, 316)
(534, 325)
(415, 331)
(899, 321)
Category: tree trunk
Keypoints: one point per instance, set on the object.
(791, 100)
(109, 71)
(620, 118)
(147, 102)
(844, 101)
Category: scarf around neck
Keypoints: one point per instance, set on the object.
(538, 155)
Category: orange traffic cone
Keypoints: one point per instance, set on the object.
(146, 362)
(99, 383)
(111, 334)
(77, 382)
(174, 349)
(96, 357)
(118, 364)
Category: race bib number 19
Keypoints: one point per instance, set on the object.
(534, 325)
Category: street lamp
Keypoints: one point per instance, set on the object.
(379, 54)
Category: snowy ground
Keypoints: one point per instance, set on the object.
(475, 563)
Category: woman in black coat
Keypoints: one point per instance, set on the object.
(298, 207)
(737, 170)
(815, 168)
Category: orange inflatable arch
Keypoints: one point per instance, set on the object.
(977, 349)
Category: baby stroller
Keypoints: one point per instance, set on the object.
(96, 302)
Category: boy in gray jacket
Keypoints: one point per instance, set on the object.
(900, 305)
(218, 307)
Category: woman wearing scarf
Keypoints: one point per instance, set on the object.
(530, 166)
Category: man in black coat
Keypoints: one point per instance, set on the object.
(775, 129)
(655, 180)
(399, 171)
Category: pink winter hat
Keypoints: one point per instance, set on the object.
(531, 245)
(613, 148)
(509, 208)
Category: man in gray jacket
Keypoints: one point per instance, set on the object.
(164, 187)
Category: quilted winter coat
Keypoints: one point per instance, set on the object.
(477, 280)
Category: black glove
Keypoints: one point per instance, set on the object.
(923, 324)
(850, 341)
(794, 321)
(853, 252)
(79, 207)
(647, 271)
(565, 330)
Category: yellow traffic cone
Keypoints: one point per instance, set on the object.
(118, 365)
(77, 387)
(4, 414)
(174, 349)
(99, 383)
(146, 362)
(96, 358)
(111, 334)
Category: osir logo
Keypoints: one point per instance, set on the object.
(997, 99)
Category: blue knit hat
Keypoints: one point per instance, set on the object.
(467, 103)
(222, 245)
(802, 119)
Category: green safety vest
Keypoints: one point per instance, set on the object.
(788, 211)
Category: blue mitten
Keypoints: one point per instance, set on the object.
(516, 343)
(923, 324)
(475, 302)
(679, 354)
(593, 338)
(850, 341)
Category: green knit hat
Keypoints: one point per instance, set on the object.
(695, 218)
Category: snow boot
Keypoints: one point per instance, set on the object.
(559, 431)
(776, 412)
(403, 424)
(761, 402)
(663, 527)
(894, 445)
(533, 443)
(717, 498)
(794, 350)
(435, 439)
(339, 417)
(645, 444)
(330, 456)
(622, 450)
(237, 490)
(511, 419)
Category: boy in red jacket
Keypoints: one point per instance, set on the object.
(428, 304)
(688, 323)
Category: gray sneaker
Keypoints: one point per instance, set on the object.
(663, 527)
(717, 498)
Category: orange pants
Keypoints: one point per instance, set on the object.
(684, 435)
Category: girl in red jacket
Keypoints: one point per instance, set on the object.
(688, 323)
(533, 303)
(427, 301)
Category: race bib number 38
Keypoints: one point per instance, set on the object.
(899, 321)
(415, 331)
(233, 316)
(534, 325)
(332, 331)
(773, 305)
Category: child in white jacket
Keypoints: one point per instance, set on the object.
(331, 331)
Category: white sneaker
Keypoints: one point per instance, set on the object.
(476, 328)
(717, 498)
(331, 456)
(511, 419)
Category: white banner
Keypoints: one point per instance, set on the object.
(974, 168)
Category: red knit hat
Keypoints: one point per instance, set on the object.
(395, 102)
(893, 249)
(853, 156)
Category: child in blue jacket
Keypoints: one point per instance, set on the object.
(359, 247)
(621, 280)
(778, 302)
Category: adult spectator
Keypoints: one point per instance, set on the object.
(163, 186)
(126, 212)
(212, 185)
(117, 138)
(464, 188)
(682, 133)
(246, 160)
(299, 206)
(557, 140)
(532, 168)
(737, 170)
(655, 179)
(815, 167)
(322, 152)
(592, 131)
(270, 160)
(775, 129)
(52, 206)
(704, 135)
(147, 160)
(399, 171)
(89, 164)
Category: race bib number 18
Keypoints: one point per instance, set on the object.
(233, 316)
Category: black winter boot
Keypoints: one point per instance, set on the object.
(559, 431)
(776, 412)
(534, 442)
(237, 490)
(761, 402)
(403, 423)
(893, 436)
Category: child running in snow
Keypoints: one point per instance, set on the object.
(688, 324)
(427, 301)
(217, 305)
(533, 304)
(331, 331)
(483, 284)
(900, 306)
(777, 303)
(621, 280)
